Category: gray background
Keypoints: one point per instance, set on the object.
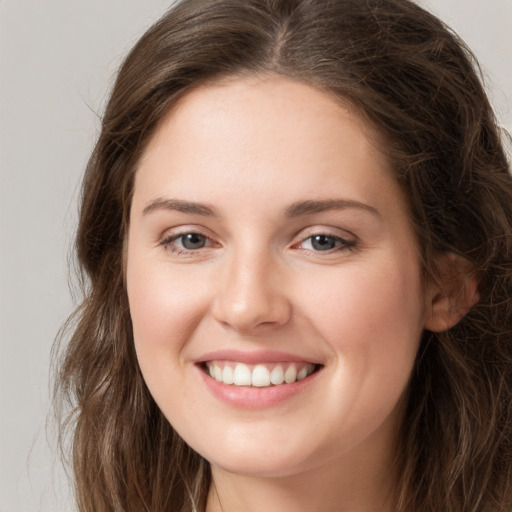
(57, 60)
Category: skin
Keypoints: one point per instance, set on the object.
(249, 149)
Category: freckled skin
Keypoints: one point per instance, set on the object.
(250, 149)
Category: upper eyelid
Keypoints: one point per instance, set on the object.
(176, 232)
(335, 232)
(172, 237)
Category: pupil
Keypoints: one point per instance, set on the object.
(193, 241)
(323, 242)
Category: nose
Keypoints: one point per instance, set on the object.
(250, 295)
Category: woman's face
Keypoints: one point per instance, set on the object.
(269, 244)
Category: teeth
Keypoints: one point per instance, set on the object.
(258, 376)
(290, 375)
(302, 373)
(227, 375)
(242, 375)
(277, 375)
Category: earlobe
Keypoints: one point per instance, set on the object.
(452, 294)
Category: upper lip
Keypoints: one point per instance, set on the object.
(254, 357)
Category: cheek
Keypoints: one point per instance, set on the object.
(165, 307)
(371, 299)
(372, 318)
(371, 314)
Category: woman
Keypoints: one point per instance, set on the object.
(296, 233)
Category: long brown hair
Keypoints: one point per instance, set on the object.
(419, 86)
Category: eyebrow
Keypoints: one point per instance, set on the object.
(310, 207)
(179, 205)
(296, 209)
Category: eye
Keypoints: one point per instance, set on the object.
(191, 241)
(186, 242)
(324, 243)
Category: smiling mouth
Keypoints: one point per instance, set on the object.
(258, 375)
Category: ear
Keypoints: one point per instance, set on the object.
(452, 294)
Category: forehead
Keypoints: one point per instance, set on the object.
(270, 137)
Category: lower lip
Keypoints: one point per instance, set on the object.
(254, 397)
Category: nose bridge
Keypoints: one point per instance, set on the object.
(249, 295)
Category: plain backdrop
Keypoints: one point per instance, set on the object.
(57, 62)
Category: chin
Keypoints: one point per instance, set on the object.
(264, 460)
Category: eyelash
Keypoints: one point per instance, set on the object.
(341, 244)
